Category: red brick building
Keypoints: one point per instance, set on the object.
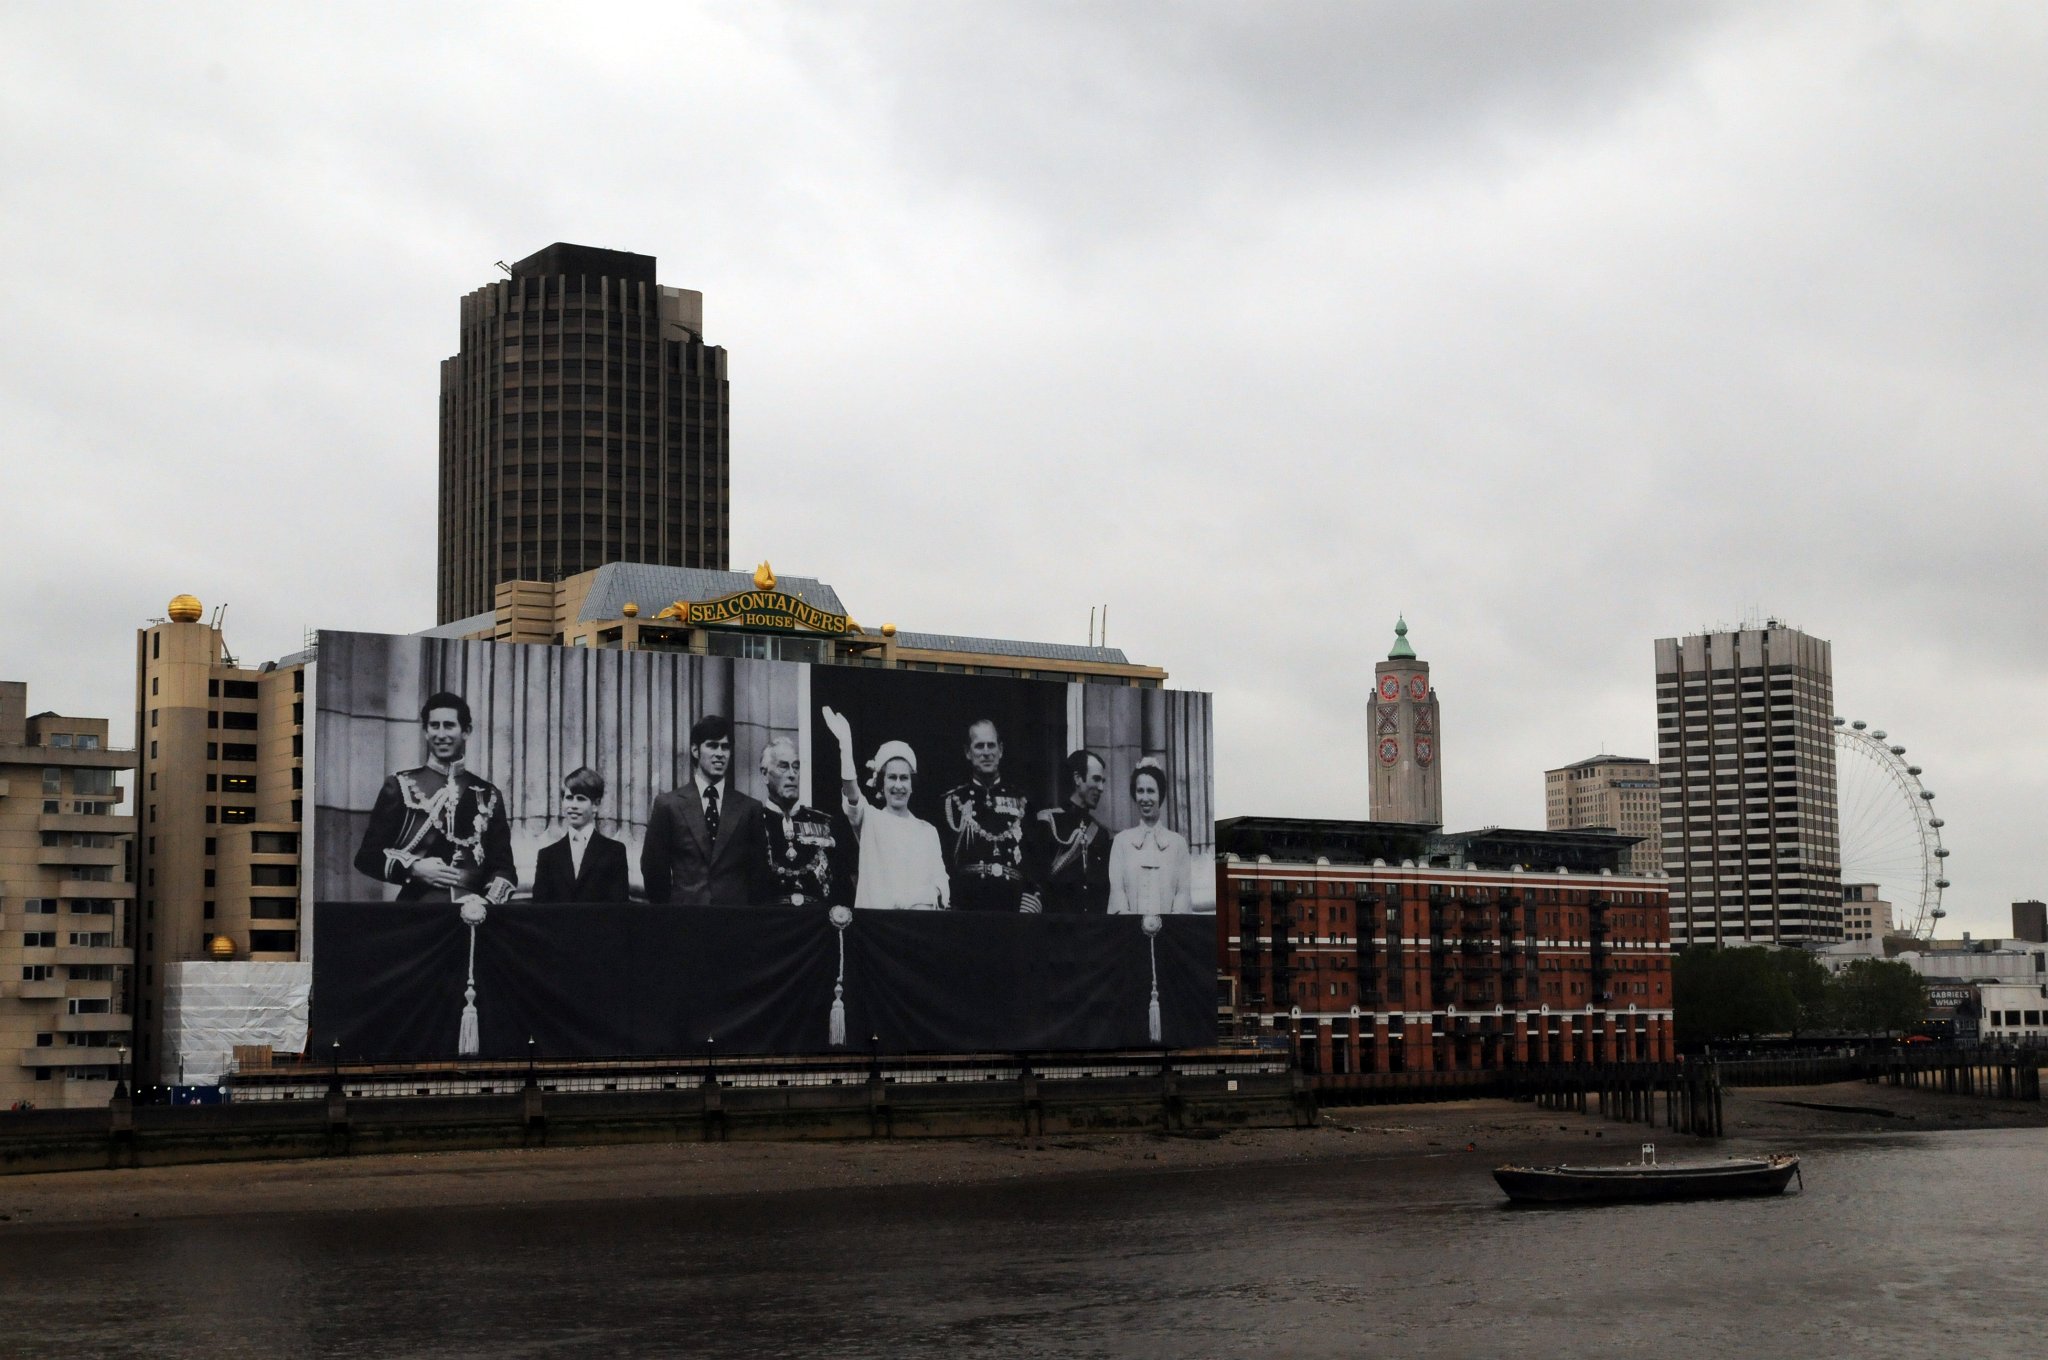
(1389, 947)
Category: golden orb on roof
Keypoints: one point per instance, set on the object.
(185, 609)
(764, 576)
(221, 947)
(888, 630)
(630, 610)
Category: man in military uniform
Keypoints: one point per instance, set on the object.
(984, 834)
(806, 853)
(438, 831)
(1066, 851)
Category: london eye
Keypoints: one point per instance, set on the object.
(1890, 834)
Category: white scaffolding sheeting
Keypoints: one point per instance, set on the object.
(209, 1008)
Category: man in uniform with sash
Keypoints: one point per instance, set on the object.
(806, 854)
(1066, 851)
(984, 834)
(438, 831)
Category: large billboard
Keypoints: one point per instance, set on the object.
(618, 853)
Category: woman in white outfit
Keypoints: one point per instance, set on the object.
(1148, 864)
(900, 864)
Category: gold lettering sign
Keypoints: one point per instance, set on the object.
(768, 609)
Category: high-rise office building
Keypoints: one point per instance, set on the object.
(1407, 781)
(219, 797)
(583, 422)
(1618, 793)
(68, 904)
(1746, 776)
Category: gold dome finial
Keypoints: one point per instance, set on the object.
(888, 630)
(221, 947)
(185, 609)
(630, 610)
(764, 577)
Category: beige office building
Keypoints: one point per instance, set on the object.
(222, 755)
(1746, 773)
(635, 606)
(65, 904)
(1611, 793)
(1865, 915)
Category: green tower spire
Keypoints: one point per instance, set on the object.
(1401, 651)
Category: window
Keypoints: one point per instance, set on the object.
(238, 689)
(274, 875)
(238, 783)
(237, 816)
(60, 741)
(38, 972)
(53, 780)
(237, 751)
(40, 906)
(39, 939)
(85, 1005)
(273, 843)
(238, 722)
(273, 941)
(273, 909)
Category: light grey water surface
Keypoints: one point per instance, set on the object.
(1899, 1246)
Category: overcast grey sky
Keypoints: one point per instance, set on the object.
(1559, 327)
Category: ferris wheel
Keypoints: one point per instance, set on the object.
(1890, 834)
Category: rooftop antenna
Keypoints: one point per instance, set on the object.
(1105, 626)
(506, 267)
(1091, 625)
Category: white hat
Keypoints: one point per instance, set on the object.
(890, 750)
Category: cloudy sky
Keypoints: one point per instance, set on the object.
(1558, 327)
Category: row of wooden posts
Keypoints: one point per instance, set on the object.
(2001, 1074)
(1628, 1092)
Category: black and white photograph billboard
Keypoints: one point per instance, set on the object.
(631, 854)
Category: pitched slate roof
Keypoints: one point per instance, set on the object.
(654, 588)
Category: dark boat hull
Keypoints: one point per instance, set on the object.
(1591, 1185)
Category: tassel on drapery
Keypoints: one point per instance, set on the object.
(841, 917)
(468, 1038)
(1152, 926)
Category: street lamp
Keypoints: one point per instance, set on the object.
(121, 1073)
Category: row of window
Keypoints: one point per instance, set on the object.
(72, 741)
(76, 939)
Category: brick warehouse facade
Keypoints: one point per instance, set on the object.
(1383, 947)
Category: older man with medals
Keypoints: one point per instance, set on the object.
(806, 854)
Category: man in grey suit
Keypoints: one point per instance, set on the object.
(707, 843)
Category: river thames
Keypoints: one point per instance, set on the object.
(1909, 1245)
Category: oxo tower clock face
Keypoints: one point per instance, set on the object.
(1390, 750)
(1425, 750)
(1418, 687)
(1390, 687)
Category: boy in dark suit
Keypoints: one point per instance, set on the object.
(586, 865)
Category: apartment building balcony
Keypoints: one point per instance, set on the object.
(109, 1023)
(106, 823)
(119, 955)
(88, 887)
(111, 856)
